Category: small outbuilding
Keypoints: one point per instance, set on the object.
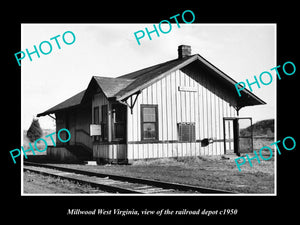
(182, 107)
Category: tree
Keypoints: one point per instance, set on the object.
(34, 132)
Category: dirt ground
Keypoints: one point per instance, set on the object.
(207, 171)
(38, 184)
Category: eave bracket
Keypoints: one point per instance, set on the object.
(132, 100)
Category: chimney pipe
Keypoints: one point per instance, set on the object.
(183, 51)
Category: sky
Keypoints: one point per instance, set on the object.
(110, 50)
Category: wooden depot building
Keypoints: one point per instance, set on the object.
(182, 107)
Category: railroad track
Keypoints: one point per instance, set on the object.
(117, 184)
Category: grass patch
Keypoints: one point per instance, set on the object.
(207, 171)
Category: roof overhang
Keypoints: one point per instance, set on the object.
(247, 98)
(72, 102)
(124, 95)
(121, 88)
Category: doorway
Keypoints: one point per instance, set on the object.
(119, 115)
(238, 135)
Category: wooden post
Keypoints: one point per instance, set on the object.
(109, 122)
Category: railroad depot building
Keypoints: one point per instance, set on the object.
(182, 107)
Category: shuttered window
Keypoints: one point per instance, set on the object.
(104, 122)
(186, 132)
(149, 122)
(96, 120)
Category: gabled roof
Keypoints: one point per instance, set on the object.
(111, 86)
(120, 88)
(145, 77)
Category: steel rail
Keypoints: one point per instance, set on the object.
(103, 187)
(155, 183)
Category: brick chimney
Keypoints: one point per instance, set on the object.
(183, 51)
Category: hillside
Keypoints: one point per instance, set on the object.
(261, 128)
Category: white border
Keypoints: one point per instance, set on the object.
(93, 195)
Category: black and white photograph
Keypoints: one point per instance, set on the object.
(158, 114)
(107, 113)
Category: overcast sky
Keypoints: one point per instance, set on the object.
(110, 50)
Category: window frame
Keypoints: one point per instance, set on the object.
(155, 106)
(96, 115)
(191, 132)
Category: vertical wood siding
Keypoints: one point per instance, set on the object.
(60, 154)
(60, 123)
(77, 121)
(98, 100)
(103, 152)
(110, 153)
(83, 121)
(205, 108)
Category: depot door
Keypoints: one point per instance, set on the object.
(245, 135)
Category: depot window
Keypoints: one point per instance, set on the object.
(96, 120)
(149, 122)
(186, 132)
(104, 122)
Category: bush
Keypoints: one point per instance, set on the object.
(34, 132)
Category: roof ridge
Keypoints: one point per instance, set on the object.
(119, 78)
(147, 69)
(142, 80)
(122, 87)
